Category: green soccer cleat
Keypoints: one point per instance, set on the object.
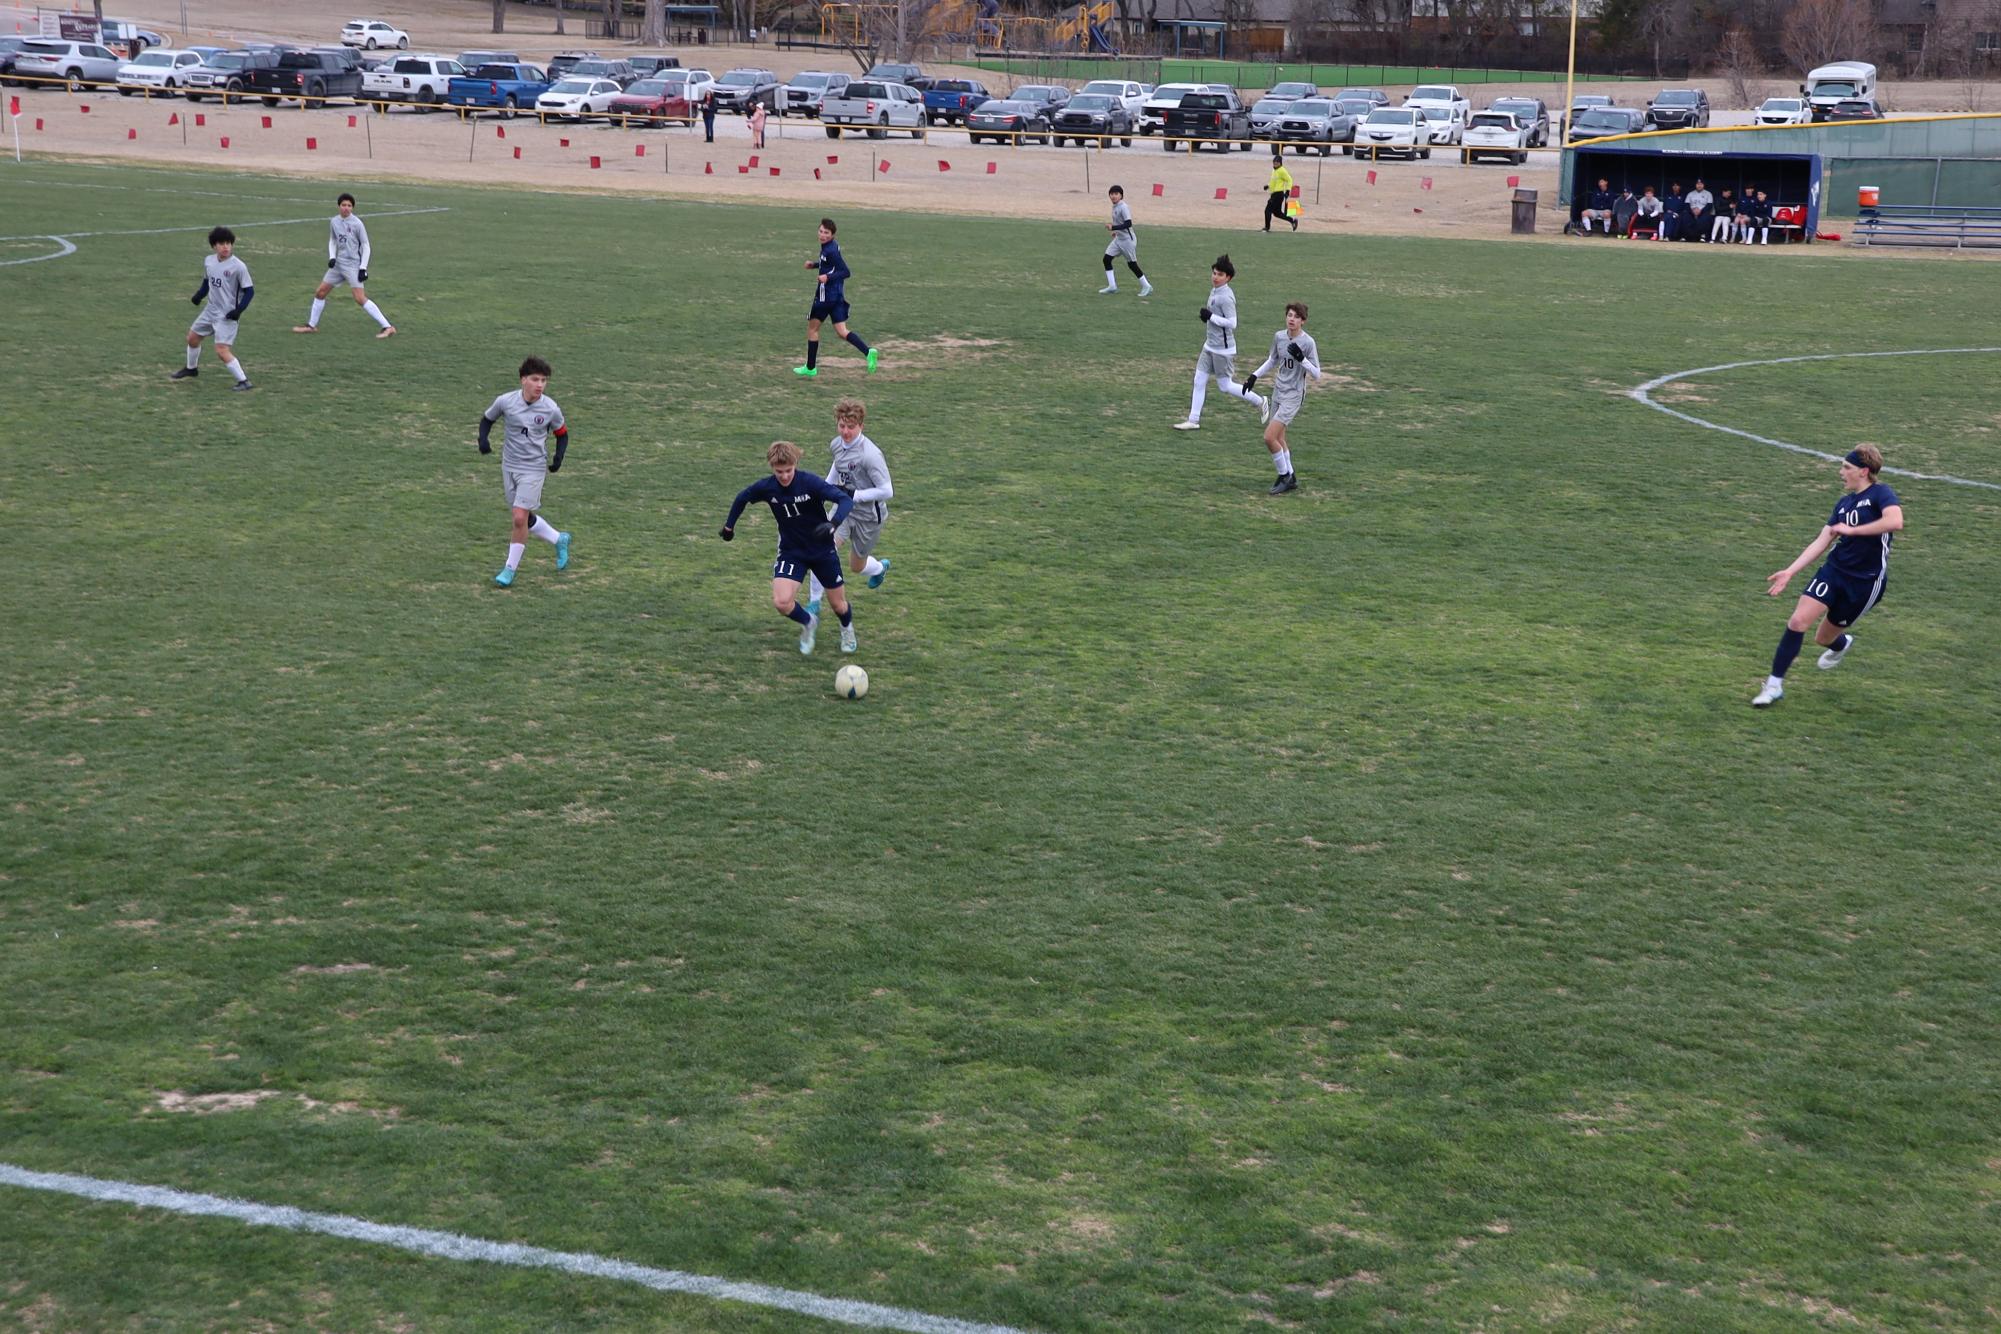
(806, 635)
(875, 580)
(871, 361)
(806, 370)
(505, 578)
(562, 551)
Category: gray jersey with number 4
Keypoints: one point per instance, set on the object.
(1222, 326)
(1291, 371)
(525, 444)
(861, 467)
(226, 280)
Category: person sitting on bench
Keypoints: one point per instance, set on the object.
(1726, 217)
(1647, 215)
(1674, 226)
(1624, 209)
(1747, 216)
(1701, 213)
(1598, 205)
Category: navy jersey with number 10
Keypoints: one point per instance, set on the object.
(1862, 557)
(798, 508)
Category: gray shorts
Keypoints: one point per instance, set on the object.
(1220, 365)
(523, 486)
(1286, 406)
(339, 275)
(859, 534)
(1124, 243)
(215, 326)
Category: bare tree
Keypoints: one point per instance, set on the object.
(1737, 61)
(559, 18)
(611, 14)
(655, 31)
(500, 15)
(1819, 31)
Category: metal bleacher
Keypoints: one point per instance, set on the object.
(1929, 225)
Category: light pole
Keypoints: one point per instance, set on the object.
(1570, 75)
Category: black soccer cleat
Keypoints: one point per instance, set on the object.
(1284, 484)
(184, 373)
(242, 385)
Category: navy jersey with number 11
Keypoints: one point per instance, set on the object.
(798, 509)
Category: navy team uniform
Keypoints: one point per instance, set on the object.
(830, 301)
(801, 514)
(1858, 569)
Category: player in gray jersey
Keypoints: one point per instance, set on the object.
(1219, 346)
(1123, 243)
(225, 293)
(347, 262)
(859, 469)
(1294, 356)
(531, 417)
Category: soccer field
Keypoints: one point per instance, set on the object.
(1372, 905)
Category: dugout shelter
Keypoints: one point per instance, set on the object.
(1786, 178)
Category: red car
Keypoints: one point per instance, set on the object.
(650, 102)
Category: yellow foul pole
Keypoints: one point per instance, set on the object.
(1570, 72)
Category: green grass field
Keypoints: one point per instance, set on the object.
(1373, 906)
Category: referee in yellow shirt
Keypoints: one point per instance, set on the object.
(1280, 186)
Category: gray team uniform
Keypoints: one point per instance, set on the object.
(227, 280)
(860, 467)
(347, 251)
(1219, 344)
(1288, 393)
(1124, 242)
(524, 449)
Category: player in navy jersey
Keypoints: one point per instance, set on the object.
(798, 501)
(830, 302)
(1854, 577)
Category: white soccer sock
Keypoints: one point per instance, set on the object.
(543, 530)
(1201, 392)
(813, 589)
(1111, 280)
(1282, 461)
(235, 365)
(194, 358)
(1775, 683)
(871, 567)
(1235, 390)
(375, 313)
(514, 550)
(319, 309)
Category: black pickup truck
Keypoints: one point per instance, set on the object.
(306, 75)
(1220, 117)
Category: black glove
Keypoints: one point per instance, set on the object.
(1250, 382)
(1206, 313)
(824, 532)
(728, 534)
(485, 447)
(195, 300)
(846, 490)
(556, 464)
(364, 275)
(236, 314)
(1295, 351)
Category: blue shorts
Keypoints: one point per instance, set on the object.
(837, 311)
(793, 565)
(1846, 596)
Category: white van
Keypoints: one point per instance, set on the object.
(1840, 82)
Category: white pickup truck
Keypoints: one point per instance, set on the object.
(423, 80)
(876, 107)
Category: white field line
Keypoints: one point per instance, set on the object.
(452, 1246)
(164, 189)
(64, 239)
(1644, 394)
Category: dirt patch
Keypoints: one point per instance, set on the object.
(334, 968)
(916, 356)
(209, 1104)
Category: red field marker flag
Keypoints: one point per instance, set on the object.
(992, 167)
(833, 159)
(1424, 184)
(174, 119)
(266, 120)
(131, 133)
(225, 141)
(500, 131)
(816, 173)
(350, 122)
(1158, 189)
(517, 152)
(1222, 192)
(639, 150)
(14, 107)
(1371, 178)
(312, 145)
(200, 120)
(1514, 181)
(943, 165)
(594, 162)
(773, 170)
(883, 165)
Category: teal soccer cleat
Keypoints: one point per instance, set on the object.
(505, 578)
(562, 551)
(875, 580)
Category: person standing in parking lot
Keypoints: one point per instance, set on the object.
(757, 125)
(709, 115)
(1278, 190)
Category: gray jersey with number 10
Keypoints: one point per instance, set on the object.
(1290, 375)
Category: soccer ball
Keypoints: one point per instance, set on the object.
(851, 682)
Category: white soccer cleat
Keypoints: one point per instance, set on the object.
(847, 639)
(1264, 409)
(1104, 290)
(806, 635)
(1830, 659)
(1767, 697)
(1145, 287)
(1190, 425)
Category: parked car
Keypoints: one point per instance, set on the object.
(1316, 122)
(1375, 97)
(422, 80)
(505, 87)
(1266, 113)
(1050, 97)
(222, 75)
(1580, 104)
(1531, 113)
(948, 100)
(1216, 117)
(562, 61)
(309, 76)
(1844, 80)
(910, 76)
(157, 70)
(125, 33)
(1445, 125)
(876, 107)
(1357, 110)
(1394, 130)
(342, 57)
(1495, 133)
(693, 84)
(575, 98)
(1442, 95)
(9, 48)
(371, 33)
(650, 65)
(803, 95)
(1131, 95)
(653, 102)
(1094, 116)
(1006, 121)
(620, 72)
(45, 62)
(740, 89)
(474, 59)
(1678, 109)
(1783, 111)
(1153, 111)
(1853, 108)
(1599, 122)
